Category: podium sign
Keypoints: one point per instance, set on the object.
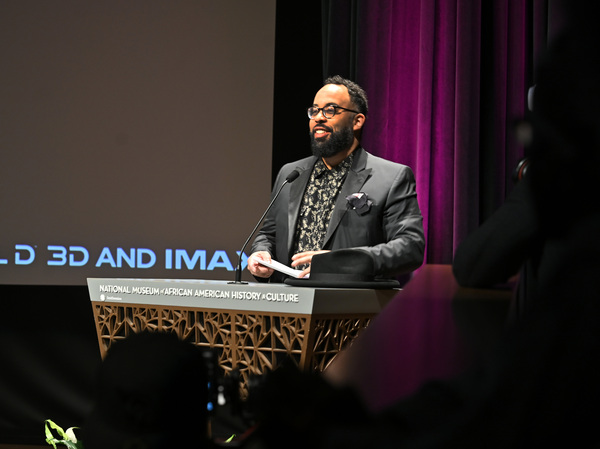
(252, 327)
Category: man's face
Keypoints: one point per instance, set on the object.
(329, 136)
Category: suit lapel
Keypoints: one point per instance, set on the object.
(297, 189)
(355, 179)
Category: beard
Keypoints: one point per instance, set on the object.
(338, 141)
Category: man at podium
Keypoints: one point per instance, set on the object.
(343, 196)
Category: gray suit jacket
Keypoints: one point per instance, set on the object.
(391, 231)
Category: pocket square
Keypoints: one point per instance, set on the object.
(360, 202)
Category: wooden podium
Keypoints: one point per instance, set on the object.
(252, 327)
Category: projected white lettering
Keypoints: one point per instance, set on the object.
(137, 258)
(78, 256)
(24, 250)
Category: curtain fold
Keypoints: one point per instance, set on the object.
(446, 80)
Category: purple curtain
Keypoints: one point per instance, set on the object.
(446, 81)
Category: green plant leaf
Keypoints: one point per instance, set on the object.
(66, 438)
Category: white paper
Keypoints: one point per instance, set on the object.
(280, 267)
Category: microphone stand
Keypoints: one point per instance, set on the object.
(238, 270)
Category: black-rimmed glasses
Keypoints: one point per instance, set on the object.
(328, 111)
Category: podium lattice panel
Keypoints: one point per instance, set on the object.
(252, 343)
(330, 337)
(116, 322)
(204, 328)
(264, 341)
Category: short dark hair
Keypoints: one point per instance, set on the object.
(358, 96)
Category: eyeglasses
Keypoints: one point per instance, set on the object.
(328, 111)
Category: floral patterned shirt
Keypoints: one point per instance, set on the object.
(317, 205)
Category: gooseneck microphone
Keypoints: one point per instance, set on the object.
(238, 270)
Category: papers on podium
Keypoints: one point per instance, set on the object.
(280, 267)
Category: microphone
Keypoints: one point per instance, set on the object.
(238, 270)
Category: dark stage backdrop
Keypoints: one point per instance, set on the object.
(111, 99)
(136, 137)
(446, 80)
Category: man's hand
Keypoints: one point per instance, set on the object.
(305, 258)
(255, 268)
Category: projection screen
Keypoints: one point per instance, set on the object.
(135, 137)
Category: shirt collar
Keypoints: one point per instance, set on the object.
(341, 168)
